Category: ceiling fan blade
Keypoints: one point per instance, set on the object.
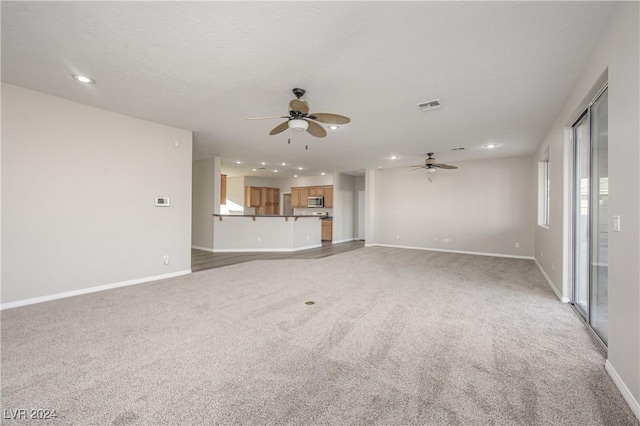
(329, 118)
(316, 130)
(280, 128)
(420, 165)
(299, 105)
(444, 166)
(264, 118)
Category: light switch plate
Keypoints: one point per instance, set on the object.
(616, 223)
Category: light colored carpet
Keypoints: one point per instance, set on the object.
(395, 337)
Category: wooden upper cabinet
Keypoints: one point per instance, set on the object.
(265, 200)
(273, 195)
(304, 196)
(295, 197)
(313, 191)
(223, 189)
(252, 196)
(328, 196)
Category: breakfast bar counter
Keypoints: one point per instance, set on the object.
(268, 233)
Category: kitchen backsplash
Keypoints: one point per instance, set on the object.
(310, 212)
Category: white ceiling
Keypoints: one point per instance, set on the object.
(501, 70)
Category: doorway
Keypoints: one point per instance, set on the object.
(590, 215)
(287, 209)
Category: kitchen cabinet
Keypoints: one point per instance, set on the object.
(327, 230)
(300, 195)
(264, 199)
(328, 197)
(304, 196)
(295, 198)
(223, 189)
(271, 202)
(252, 196)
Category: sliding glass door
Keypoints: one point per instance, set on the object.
(591, 215)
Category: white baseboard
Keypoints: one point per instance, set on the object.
(266, 250)
(343, 241)
(624, 390)
(72, 293)
(452, 251)
(202, 248)
(551, 283)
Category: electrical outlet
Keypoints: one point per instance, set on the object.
(165, 259)
(517, 245)
(446, 240)
(259, 239)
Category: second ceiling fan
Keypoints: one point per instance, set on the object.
(299, 118)
(430, 165)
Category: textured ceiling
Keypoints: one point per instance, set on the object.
(500, 69)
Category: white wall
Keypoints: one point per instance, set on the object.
(203, 195)
(78, 188)
(307, 181)
(618, 56)
(235, 193)
(483, 207)
(344, 207)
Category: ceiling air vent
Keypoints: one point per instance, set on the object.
(428, 106)
(461, 148)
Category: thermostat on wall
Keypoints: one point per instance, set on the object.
(163, 202)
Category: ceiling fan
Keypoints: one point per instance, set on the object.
(299, 118)
(430, 165)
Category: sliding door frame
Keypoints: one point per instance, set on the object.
(574, 208)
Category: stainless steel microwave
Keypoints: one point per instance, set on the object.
(315, 202)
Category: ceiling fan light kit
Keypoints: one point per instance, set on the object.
(298, 124)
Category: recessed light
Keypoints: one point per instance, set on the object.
(84, 79)
(300, 168)
(334, 127)
(490, 145)
(322, 173)
(254, 170)
(263, 163)
(275, 171)
(393, 157)
(238, 162)
(295, 175)
(284, 164)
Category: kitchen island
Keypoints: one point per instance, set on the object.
(265, 233)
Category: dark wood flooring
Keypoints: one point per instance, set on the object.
(201, 260)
